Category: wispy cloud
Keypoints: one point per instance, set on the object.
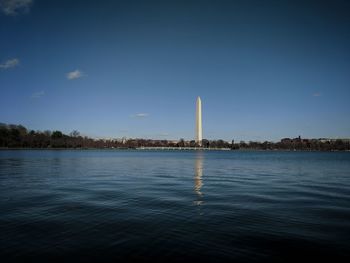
(317, 94)
(140, 115)
(15, 7)
(38, 94)
(163, 134)
(75, 74)
(11, 63)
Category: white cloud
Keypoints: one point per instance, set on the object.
(11, 63)
(75, 74)
(38, 94)
(317, 94)
(164, 134)
(140, 115)
(14, 7)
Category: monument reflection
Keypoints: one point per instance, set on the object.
(198, 174)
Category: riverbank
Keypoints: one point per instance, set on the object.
(170, 149)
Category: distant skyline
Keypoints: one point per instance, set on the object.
(263, 69)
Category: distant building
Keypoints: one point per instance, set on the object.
(286, 140)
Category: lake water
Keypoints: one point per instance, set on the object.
(173, 206)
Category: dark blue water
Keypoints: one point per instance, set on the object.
(117, 206)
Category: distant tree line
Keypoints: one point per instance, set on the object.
(296, 145)
(17, 136)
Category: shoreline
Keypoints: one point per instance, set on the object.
(167, 149)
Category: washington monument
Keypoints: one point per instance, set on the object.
(199, 122)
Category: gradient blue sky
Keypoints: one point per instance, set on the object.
(264, 69)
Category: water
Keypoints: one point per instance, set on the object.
(177, 206)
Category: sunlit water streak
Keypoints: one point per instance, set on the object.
(165, 206)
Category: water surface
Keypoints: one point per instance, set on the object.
(162, 206)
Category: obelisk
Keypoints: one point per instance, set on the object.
(199, 122)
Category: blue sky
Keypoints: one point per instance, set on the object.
(264, 69)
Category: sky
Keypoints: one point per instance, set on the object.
(264, 70)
